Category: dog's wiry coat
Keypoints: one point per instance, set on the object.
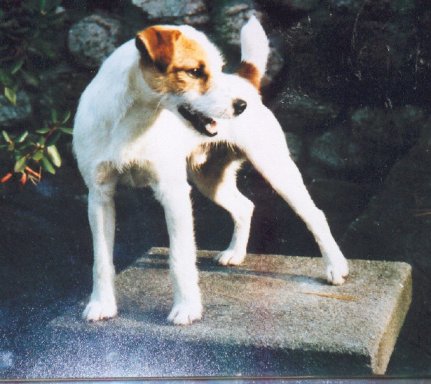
(127, 129)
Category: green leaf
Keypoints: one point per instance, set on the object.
(54, 155)
(53, 139)
(29, 78)
(42, 4)
(5, 77)
(6, 137)
(54, 115)
(41, 141)
(17, 66)
(42, 131)
(66, 117)
(10, 95)
(20, 164)
(38, 156)
(22, 137)
(47, 166)
(68, 131)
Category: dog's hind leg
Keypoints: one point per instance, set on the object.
(265, 146)
(217, 181)
(173, 192)
(101, 213)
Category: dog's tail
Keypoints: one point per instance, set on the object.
(254, 52)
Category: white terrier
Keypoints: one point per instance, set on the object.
(130, 128)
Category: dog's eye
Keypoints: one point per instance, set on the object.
(195, 73)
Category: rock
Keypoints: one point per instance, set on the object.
(296, 5)
(373, 10)
(175, 11)
(271, 316)
(300, 113)
(335, 151)
(345, 6)
(313, 58)
(398, 217)
(369, 51)
(6, 360)
(396, 226)
(372, 141)
(13, 115)
(342, 201)
(93, 39)
(295, 145)
(383, 129)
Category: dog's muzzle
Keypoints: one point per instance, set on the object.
(202, 123)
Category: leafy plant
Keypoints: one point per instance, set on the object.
(32, 152)
(27, 46)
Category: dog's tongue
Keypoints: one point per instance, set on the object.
(203, 124)
(211, 128)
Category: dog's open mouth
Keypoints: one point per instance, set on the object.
(202, 123)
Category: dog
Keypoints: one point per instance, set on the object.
(154, 115)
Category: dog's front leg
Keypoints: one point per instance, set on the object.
(265, 146)
(101, 214)
(174, 195)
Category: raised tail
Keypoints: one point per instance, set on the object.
(254, 52)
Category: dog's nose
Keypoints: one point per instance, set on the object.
(239, 106)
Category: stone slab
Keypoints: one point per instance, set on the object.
(274, 315)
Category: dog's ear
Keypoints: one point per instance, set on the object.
(249, 72)
(156, 45)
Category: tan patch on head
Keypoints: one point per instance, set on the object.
(159, 44)
(171, 62)
(250, 72)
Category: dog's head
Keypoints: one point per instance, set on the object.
(182, 65)
(177, 59)
(185, 68)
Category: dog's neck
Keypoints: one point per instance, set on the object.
(142, 92)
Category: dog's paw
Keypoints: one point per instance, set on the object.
(337, 272)
(98, 310)
(230, 257)
(185, 313)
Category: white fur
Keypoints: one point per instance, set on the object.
(121, 123)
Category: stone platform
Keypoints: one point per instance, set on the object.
(274, 315)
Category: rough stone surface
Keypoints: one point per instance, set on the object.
(342, 201)
(93, 39)
(397, 224)
(296, 5)
(383, 129)
(11, 115)
(188, 11)
(300, 112)
(273, 315)
(295, 145)
(6, 360)
(336, 151)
